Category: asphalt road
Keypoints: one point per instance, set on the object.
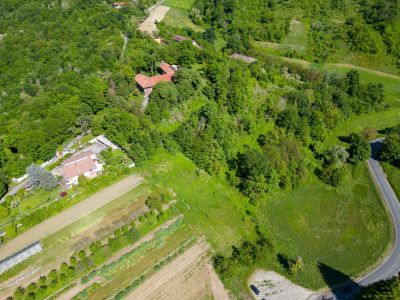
(392, 264)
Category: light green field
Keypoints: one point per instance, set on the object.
(184, 4)
(346, 229)
(297, 40)
(379, 120)
(211, 207)
(83, 140)
(177, 17)
(338, 227)
(393, 175)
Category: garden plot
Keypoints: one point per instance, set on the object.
(156, 14)
(190, 276)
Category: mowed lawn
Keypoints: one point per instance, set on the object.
(381, 120)
(345, 229)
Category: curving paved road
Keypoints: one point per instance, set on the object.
(392, 264)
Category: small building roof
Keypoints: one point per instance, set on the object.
(78, 168)
(167, 69)
(243, 58)
(179, 38)
(145, 82)
(78, 157)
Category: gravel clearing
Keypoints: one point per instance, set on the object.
(273, 286)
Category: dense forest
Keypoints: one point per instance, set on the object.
(62, 75)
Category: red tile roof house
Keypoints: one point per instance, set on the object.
(146, 84)
(84, 163)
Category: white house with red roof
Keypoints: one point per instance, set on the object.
(82, 164)
(146, 84)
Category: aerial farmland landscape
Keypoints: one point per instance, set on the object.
(200, 149)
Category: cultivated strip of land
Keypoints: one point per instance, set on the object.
(157, 14)
(70, 215)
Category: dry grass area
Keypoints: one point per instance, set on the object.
(156, 14)
(190, 276)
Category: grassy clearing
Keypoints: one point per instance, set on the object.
(393, 175)
(177, 17)
(211, 207)
(83, 140)
(379, 120)
(346, 229)
(184, 4)
(297, 40)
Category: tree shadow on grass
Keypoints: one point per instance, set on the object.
(284, 261)
(342, 286)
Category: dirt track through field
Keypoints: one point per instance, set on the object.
(157, 14)
(190, 276)
(70, 215)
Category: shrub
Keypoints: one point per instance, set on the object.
(85, 280)
(169, 259)
(31, 296)
(120, 296)
(109, 148)
(147, 215)
(42, 289)
(143, 278)
(4, 212)
(142, 219)
(72, 261)
(181, 251)
(162, 264)
(53, 274)
(82, 180)
(70, 271)
(93, 247)
(82, 255)
(136, 283)
(11, 230)
(118, 233)
(42, 280)
(157, 268)
(19, 292)
(31, 287)
(54, 283)
(63, 267)
(125, 229)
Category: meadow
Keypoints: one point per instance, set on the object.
(336, 227)
(380, 121)
(347, 229)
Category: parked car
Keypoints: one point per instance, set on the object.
(255, 290)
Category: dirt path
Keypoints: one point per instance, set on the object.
(80, 287)
(190, 276)
(70, 215)
(155, 15)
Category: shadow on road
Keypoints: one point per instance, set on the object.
(335, 280)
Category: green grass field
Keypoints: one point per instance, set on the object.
(379, 120)
(184, 4)
(211, 207)
(346, 229)
(337, 227)
(393, 175)
(177, 17)
(297, 40)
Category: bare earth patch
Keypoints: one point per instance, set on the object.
(273, 286)
(156, 14)
(190, 276)
(70, 215)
